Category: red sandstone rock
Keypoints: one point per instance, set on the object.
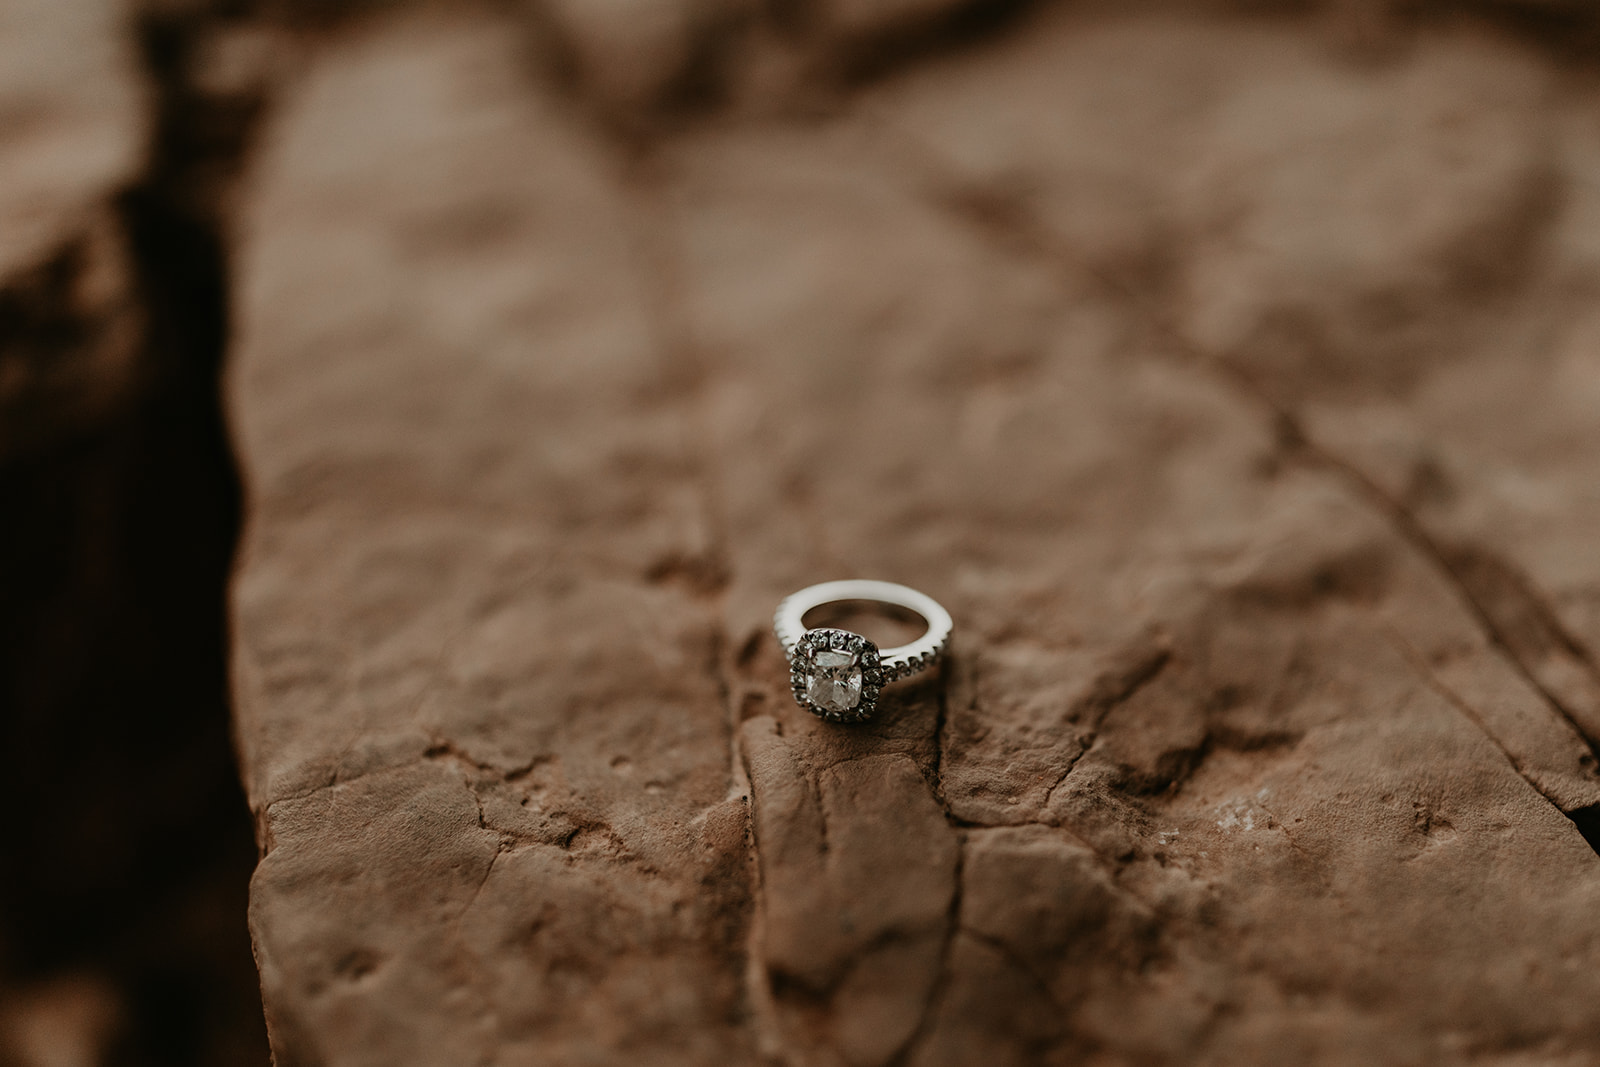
(1207, 378)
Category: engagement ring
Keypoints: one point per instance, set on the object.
(836, 675)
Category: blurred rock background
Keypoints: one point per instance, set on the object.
(124, 862)
(126, 138)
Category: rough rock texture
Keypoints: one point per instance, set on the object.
(1235, 393)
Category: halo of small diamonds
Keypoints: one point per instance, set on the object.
(835, 674)
(830, 664)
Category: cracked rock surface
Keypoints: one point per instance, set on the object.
(1235, 390)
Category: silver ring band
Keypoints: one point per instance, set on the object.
(836, 674)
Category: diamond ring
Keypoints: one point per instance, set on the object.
(835, 674)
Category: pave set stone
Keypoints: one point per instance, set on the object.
(837, 675)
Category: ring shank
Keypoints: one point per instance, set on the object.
(898, 662)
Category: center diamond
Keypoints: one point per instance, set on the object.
(836, 675)
(835, 680)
